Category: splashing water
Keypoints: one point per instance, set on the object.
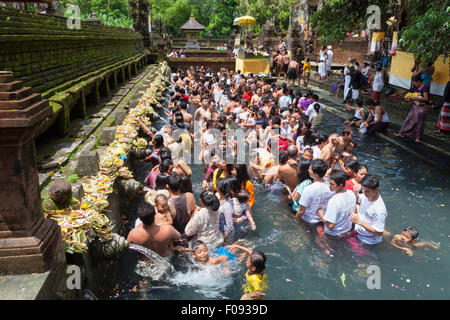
(156, 267)
(209, 280)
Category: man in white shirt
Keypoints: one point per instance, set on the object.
(284, 100)
(329, 60)
(310, 110)
(237, 77)
(340, 207)
(316, 195)
(370, 220)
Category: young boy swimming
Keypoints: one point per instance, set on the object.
(200, 254)
(406, 241)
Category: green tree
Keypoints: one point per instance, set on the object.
(337, 17)
(262, 10)
(221, 22)
(176, 16)
(428, 36)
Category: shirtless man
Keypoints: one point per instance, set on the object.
(156, 238)
(344, 139)
(285, 64)
(287, 171)
(256, 97)
(187, 117)
(279, 65)
(329, 149)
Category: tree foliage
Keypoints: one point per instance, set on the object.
(110, 12)
(338, 17)
(263, 10)
(428, 36)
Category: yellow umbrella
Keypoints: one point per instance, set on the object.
(244, 20)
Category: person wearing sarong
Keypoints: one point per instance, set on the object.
(414, 124)
(348, 78)
(444, 117)
(322, 63)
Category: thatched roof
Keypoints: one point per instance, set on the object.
(192, 24)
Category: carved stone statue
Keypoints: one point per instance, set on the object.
(60, 193)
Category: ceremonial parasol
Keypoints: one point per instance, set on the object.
(245, 20)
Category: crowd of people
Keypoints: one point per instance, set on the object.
(325, 185)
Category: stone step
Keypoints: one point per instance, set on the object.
(6, 76)
(10, 86)
(25, 113)
(16, 95)
(20, 104)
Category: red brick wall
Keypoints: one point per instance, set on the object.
(353, 47)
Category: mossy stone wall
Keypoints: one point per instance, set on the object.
(43, 53)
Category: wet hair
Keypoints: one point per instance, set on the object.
(303, 166)
(318, 138)
(346, 130)
(161, 181)
(258, 261)
(276, 120)
(242, 174)
(224, 187)
(165, 153)
(174, 182)
(210, 200)
(352, 164)
(339, 177)
(319, 167)
(197, 244)
(310, 150)
(186, 184)
(283, 156)
(183, 105)
(243, 196)
(146, 212)
(412, 231)
(159, 141)
(165, 165)
(370, 181)
(235, 185)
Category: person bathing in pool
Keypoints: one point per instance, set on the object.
(224, 254)
(406, 241)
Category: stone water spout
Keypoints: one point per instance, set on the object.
(154, 267)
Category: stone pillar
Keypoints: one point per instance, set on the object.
(28, 241)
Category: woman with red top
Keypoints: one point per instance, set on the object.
(247, 94)
(358, 172)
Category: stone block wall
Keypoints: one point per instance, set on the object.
(43, 53)
(70, 68)
(352, 47)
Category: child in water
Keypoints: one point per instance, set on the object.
(164, 211)
(242, 210)
(200, 253)
(256, 277)
(406, 241)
